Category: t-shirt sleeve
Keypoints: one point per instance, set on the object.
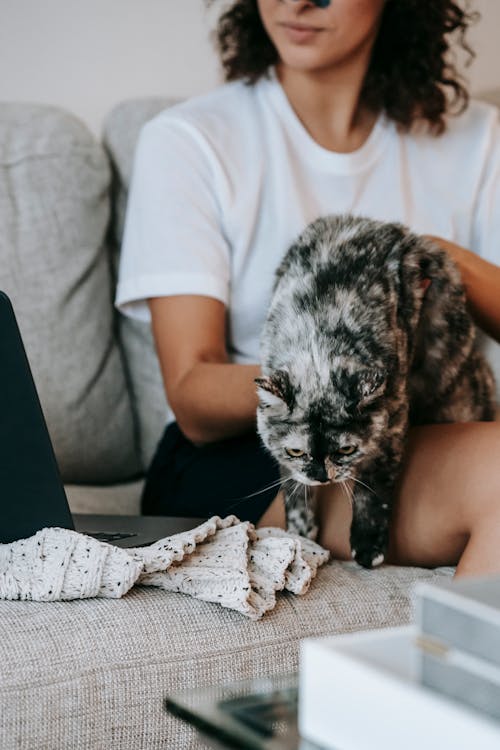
(486, 227)
(173, 241)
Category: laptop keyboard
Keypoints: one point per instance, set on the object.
(111, 536)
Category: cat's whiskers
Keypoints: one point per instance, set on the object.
(358, 481)
(347, 492)
(306, 496)
(295, 490)
(273, 485)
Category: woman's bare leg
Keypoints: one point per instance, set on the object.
(275, 513)
(447, 510)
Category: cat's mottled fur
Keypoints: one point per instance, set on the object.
(367, 332)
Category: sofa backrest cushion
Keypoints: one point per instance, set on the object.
(54, 265)
(121, 131)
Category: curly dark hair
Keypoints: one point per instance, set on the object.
(412, 75)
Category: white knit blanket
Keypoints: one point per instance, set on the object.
(222, 560)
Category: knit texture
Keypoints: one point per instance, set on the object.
(222, 560)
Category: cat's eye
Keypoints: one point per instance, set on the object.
(346, 450)
(295, 452)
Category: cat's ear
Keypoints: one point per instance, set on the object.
(370, 384)
(420, 262)
(275, 390)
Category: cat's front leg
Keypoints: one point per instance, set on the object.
(300, 509)
(370, 522)
(373, 497)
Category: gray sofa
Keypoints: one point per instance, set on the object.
(94, 673)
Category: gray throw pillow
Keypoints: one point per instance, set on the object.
(54, 265)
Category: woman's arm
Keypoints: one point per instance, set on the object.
(211, 398)
(482, 285)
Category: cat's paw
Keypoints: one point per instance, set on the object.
(368, 557)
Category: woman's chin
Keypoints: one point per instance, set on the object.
(304, 59)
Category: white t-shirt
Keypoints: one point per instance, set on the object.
(223, 183)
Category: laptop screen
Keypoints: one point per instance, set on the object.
(31, 491)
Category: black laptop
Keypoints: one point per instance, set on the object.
(31, 490)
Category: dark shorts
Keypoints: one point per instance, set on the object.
(235, 476)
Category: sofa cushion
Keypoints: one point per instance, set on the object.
(95, 673)
(121, 131)
(54, 211)
(112, 500)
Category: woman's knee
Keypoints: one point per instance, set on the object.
(450, 481)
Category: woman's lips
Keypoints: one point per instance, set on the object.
(300, 34)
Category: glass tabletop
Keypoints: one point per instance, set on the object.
(259, 714)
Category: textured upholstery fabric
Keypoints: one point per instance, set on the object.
(113, 500)
(54, 210)
(104, 686)
(120, 135)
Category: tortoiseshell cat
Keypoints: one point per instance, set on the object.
(367, 333)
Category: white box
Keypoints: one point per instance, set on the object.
(459, 625)
(463, 614)
(361, 691)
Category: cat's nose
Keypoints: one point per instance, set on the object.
(330, 469)
(319, 473)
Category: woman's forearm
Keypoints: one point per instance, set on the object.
(482, 286)
(214, 401)
(211, 398)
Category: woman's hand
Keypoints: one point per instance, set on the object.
(456, 252)
(481, 280)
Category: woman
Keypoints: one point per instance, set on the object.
(339, 107)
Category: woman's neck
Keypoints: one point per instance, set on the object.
(327, 104)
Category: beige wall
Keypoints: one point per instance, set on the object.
(87, 55)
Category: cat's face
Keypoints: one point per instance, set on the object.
(326, 438)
